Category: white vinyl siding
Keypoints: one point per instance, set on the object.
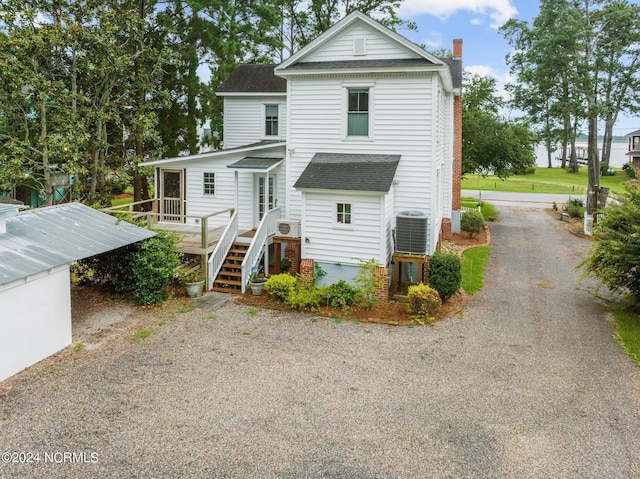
(245, 118)
(326, 242)
(377, 47)
(402, 126)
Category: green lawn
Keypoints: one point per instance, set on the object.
(473, 261)
(628, 330)
(545, 180)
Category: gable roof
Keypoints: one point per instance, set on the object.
(45, 238)
(428, 62)
(355, 172)
(258, 78)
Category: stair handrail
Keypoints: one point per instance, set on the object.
(220, 252)
(266, 228)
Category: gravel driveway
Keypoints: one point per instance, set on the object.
(527, 382)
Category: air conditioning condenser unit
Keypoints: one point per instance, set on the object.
(288, 228)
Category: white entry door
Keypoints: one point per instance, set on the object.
(266, 195)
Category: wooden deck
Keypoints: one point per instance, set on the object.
(191, 241)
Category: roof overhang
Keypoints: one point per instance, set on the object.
(349, 172)
(263, 146)
(252, 94)
(256, 164)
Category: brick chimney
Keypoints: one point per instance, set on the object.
(457, 48)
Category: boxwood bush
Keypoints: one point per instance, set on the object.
(472, 222)
(445, 274)
(280, 285)
(424, 301)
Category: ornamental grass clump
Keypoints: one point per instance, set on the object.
(423, 301)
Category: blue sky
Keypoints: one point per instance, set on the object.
(477, 22)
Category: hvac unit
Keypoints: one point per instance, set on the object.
(411, 232)
(288, 228)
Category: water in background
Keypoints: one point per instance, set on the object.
(618, 156)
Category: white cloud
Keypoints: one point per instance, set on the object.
(499, 11)
(502, 78)
(477, 21)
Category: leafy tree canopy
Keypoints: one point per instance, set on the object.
(490, 143)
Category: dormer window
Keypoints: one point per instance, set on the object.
(271, 120)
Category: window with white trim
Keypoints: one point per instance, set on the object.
(343, 213)
(208, 183)
(271, 120)
(358, 112)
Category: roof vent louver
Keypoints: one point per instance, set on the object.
(359, 46)
(411, 232)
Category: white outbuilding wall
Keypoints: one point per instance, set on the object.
(35, 320)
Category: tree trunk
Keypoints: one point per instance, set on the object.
(49, 194)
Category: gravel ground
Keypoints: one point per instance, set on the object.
(527, 382)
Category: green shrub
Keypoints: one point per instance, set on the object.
(151, 269)
(615, 256)
(472, 222)
(529, 170)
(445, 274)
(424, 301)
(339, 295)
(280, 285)
(368, 283)
(304, 297)
(143, 269)
(629, 170)
(606, 170)
(575, 208)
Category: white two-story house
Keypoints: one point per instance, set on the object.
(355, 132)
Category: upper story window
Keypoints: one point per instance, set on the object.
(343, 213)
(271, 120)
(209, 183)
(358, 112)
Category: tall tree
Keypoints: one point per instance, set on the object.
(491, 144)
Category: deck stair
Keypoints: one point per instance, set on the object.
(230, 277)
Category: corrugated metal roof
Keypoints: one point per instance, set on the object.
(44, 238)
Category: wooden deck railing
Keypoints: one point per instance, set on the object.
(219, 254)
(154, 218)
(266, 228)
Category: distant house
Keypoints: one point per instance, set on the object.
(324, 154)
(36, 250)
(634, 148)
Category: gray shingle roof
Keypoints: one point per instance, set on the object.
(44, 238)
(255, 162)
(357, 172)
(455, 67)
(399, 62)
(258, 78)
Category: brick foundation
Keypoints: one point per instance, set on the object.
(306, 272)
(445, 229)
(382, 273)
(291, 253)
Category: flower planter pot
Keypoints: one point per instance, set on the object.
(194, 290)
(257, 288)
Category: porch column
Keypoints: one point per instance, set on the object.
(235, 176)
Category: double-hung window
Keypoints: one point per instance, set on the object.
(208, 183)
(358, 112)
(271, 120)
(343, 213)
